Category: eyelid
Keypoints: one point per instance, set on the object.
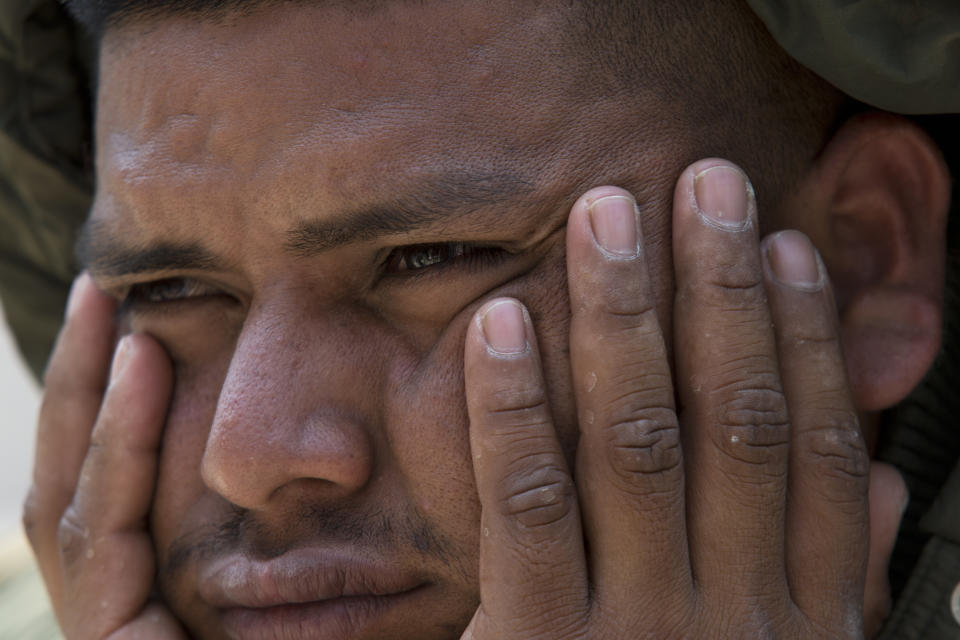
(465, 255)
(164, 291)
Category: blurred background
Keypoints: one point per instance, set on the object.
(23, 602)
(19, 401)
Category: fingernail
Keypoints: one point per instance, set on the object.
(504, 328)
(77, 292)
(120, 358)
(794, 260)
(722, 196)
(614, 223)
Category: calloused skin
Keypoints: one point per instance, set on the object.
(742, 514)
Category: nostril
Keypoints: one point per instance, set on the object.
(294, 410)
(251, 464)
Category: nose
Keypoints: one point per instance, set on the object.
(291, 415)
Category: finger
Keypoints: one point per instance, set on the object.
(734, 415)
(888, 501)
(74, 384)
(827, 512)
(533, 575)
(155, 622)
(470, 633)
(106, 552)
(629, 470)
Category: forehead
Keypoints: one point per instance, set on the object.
(299, 73)
(297, 109)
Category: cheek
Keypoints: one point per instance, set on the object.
(199, 333)
(547, 299)
(179, 502)
(199, 341)
(427, 413)
(424, 444)
(427, 439)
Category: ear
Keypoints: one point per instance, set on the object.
(875, 204)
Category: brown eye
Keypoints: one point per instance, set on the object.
(440, 255)
(423, 256)
(167, 290)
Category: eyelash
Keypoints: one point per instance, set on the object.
(412, 261)
(438, 257)
(166, 291)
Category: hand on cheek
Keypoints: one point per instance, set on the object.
(742, 513)
(97, 448)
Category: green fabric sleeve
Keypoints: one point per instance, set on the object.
(943, 518)
(923, 611)
(897, 55)
(44, 189)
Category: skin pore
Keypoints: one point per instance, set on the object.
(305, 207)
(347, 407)
(339, 380)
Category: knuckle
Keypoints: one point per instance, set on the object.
(31, 517)
(517, 406)
(100, 444)
(540, 498)
(820, 336)
(837, 448)
(644, 446)
(634, 342)
(731, 280)
(73, 537)
(620, 313)
(515, 420)
(615, 297)
(752, 425)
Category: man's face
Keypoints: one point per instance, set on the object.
(306, 208)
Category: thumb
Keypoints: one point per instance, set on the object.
(888, 501)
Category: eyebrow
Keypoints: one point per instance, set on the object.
(432, 202)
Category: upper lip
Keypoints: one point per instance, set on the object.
(299, 576)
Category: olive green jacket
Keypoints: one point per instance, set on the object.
(45, 183)
(898, 55)
(921, 437)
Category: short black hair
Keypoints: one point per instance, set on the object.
(98, 16)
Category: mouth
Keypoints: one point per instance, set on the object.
(308, 594)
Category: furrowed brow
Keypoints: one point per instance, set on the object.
(429, 204)
(103, 255)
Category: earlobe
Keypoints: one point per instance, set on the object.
(881, 193)
(891, 336)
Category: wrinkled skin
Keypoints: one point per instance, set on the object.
(307, 395)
